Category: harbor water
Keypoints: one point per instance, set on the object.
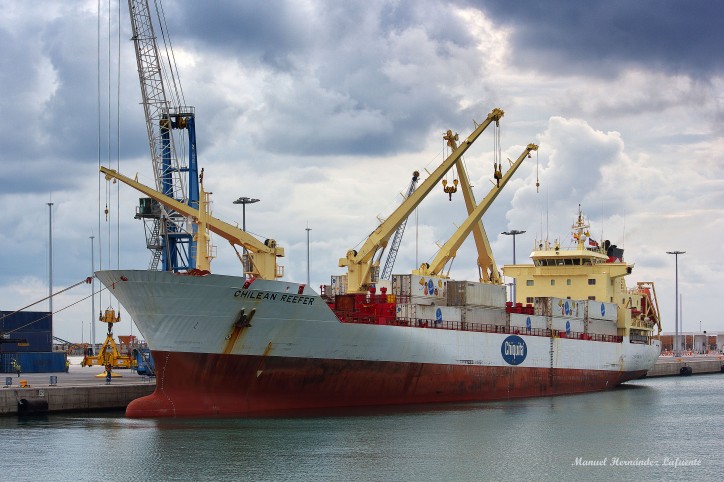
(654, 429)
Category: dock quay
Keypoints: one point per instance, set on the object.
(687, 365)
(77, 390)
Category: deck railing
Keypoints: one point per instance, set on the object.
(476, 327)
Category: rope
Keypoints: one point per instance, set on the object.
(87, 281)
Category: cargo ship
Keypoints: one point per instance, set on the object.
(257, 345)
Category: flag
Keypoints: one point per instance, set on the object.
(593, 243)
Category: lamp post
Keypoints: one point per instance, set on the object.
(244, 201)
(308, 229)
(677, 345)
(514, 233)
(50, 258)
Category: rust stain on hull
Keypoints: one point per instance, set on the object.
(207, 385)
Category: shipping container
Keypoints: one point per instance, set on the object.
(567, 308)
(339, 285)
(462, 293)
(528, 321)
(412, 311)
(405, 311)
(484, 315)
(385, 284)
(568, 325)
(439, 313)
(401, 284)
(36, 341)
(420, 287)
(33, 362)
(26, 321)
(602, 327)
(598, 310)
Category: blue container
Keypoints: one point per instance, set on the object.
(26, 321)
(33, 362)
(37, 341)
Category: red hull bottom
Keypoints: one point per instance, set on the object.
(211, 385)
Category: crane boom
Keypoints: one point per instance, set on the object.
(450, 248)
(487, 270)
(359, 262)
(397, 238)
(263, 254)
(168, 239)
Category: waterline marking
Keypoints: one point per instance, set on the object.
(636, 462)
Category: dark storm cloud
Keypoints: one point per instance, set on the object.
(50, 122)
(603, 37)
(267, 32)
(354, 78)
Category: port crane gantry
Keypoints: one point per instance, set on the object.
(397, 238)
(167, 120)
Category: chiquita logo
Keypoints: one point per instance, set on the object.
(513, 350)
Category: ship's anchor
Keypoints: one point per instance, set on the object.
(243, 321)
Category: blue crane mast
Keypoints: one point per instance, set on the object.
(169, 234)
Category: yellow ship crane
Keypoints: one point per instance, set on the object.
(360, 262)
(487, 269)
(450, 248)
(263, 255)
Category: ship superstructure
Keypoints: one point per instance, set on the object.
(585, 283)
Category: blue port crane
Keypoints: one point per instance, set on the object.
(397, 238)
(169, 234)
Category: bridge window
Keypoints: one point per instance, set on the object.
(591, 281)
(529, 282)
(553, 282)
(568, 282)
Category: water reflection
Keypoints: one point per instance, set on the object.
(656, 418)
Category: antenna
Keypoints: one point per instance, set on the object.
(548, 197)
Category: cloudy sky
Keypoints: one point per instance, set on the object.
(323, 109)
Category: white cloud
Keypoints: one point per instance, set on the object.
(325, 121)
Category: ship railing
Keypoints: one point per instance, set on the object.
(489, 328)
(357, 318)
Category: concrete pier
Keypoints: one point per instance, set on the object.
(77, 390)
(699, 364)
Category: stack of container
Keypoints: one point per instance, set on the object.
(481, 303)
(602, 317)
(35, 356)
(421, 290)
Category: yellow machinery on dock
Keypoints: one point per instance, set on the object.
(109, 355)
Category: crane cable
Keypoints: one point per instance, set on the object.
(86, 280)
(179, 98)
(497, 154)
